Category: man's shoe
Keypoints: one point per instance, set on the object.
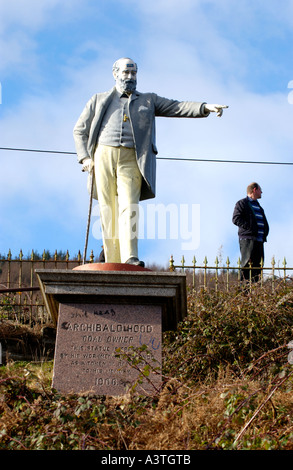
(135, 262)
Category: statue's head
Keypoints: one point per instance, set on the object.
(124, 72)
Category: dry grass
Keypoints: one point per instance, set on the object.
(227, 385)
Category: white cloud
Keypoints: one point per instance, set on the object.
(33, 14)
(20, 23)
(185, 54)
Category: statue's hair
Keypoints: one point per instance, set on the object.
(116, 67)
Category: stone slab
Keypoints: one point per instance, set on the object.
(98, 310)
(140, 287)
(88, 336)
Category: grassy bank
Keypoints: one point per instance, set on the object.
(227, 385)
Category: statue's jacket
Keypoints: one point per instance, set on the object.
(143, 108)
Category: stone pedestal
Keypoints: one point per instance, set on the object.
(105, 315)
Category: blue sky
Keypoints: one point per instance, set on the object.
(55, 54)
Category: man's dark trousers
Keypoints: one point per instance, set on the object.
(251, 251)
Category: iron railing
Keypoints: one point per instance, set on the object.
(20, 296)
(21, 299)
(224, 276)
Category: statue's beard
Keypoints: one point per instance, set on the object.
(127, 85)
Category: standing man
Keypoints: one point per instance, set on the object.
(115, 137)
(253, 230)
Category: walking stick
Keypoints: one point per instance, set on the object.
(89, 216)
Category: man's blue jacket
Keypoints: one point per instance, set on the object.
(244, 218)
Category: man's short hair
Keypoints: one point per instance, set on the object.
(251, 187)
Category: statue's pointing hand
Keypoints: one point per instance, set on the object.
(216, 108)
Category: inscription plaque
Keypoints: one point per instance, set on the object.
(88, 336)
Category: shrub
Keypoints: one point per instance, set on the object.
(227, 385)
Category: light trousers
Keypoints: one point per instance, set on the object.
(118, 182)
